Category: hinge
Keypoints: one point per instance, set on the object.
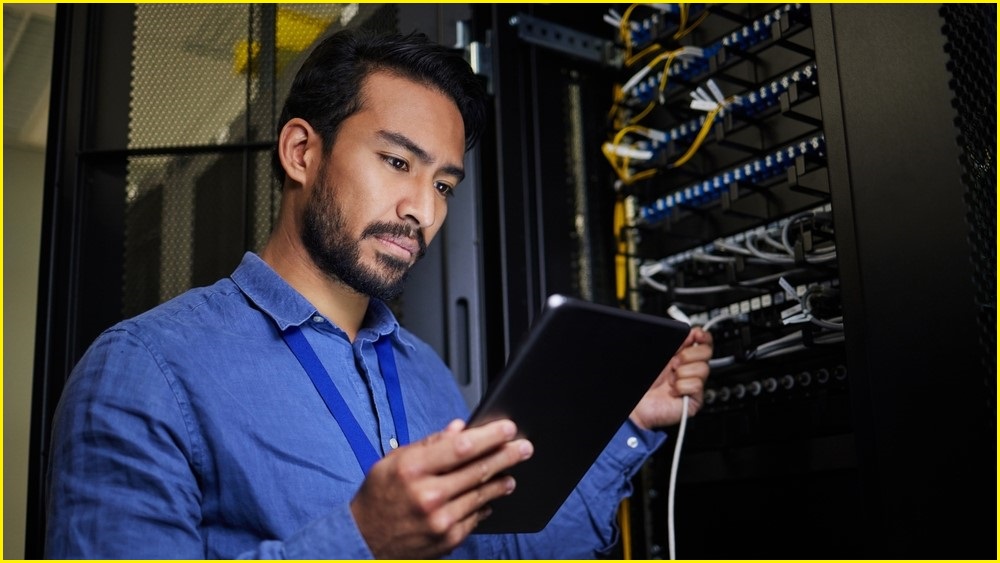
(478, 54)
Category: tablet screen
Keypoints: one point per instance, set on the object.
(569, 386)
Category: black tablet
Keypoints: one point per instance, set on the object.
(569, 386)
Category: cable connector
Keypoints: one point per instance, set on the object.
(717, 101)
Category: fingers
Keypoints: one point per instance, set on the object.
(696, 348)
(484, 469)
(471, 506)
(433, 492)
(455, 445)
(455, 521)
(696, 335)
(700, 336)
(691, 379)
(455, 500)
(480, 480)
(458, 459)
(690, 364)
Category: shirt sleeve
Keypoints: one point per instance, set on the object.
(121, 481)
(586, 525)
(334, 536)
(125, 464)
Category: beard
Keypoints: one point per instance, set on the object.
(326, 238)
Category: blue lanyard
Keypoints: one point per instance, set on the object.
(365, 453)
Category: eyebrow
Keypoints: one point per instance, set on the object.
(405, 142)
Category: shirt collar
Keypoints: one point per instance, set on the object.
(287, 307)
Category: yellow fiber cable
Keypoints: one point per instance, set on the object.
(620, 163)
(631, 179)
(651, 49)
(664, 74)
(626, 33)
(619, 223)
(684, 17)
(681, 33)
(621, 166)
(625, 522)
(696, 144)
(669, 57)
(617, 95)
(638, 117)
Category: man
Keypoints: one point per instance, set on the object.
(207, 427)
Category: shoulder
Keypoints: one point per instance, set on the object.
(192, 305)
(187, 328)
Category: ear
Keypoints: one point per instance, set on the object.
(297, 146)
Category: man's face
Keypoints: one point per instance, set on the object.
(381, 194)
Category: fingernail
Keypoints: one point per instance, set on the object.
(511, 484)
(526, 450)
(509, 429)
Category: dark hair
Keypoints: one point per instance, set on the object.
(327, 89)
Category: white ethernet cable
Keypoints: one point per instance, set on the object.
(671, 536)
(675, 312)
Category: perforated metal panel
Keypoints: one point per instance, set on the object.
(207, 83)
(971, 32)
(185, 89)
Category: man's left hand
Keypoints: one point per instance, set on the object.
(684, 375)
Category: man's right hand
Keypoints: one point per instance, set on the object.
(422, 500)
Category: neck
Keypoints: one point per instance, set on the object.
(333, 299)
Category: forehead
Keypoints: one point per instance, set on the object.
(390, 101)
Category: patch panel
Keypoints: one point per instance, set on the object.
(661, 145)
(750, 172)
(739, 40)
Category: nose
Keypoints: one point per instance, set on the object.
(419, 205)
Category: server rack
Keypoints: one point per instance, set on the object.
(829, 225)
(890, 459)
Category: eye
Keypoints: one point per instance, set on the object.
(444, 189)
(396, 162)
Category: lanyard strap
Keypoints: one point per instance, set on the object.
(365, 453)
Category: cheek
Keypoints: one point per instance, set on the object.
(357, 190)
(442, 212)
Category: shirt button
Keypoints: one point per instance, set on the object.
(393, 443)
(318, 319)
(632, 441)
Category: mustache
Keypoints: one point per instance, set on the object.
(397, 230)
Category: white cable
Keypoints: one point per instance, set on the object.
(702, 256)
(673, 477)
(788, 349)
(631, 82)
(721, 362)
(716, 93)
(629, 152)
(716, 320)
(830, 324)
(654, 284)
(785, 238)
(767, 237)
(675, 312)
(703, 290)
(721, 244)
(699, 94)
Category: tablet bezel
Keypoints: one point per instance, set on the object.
(569, 386)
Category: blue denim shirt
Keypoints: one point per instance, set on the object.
(191, 431)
